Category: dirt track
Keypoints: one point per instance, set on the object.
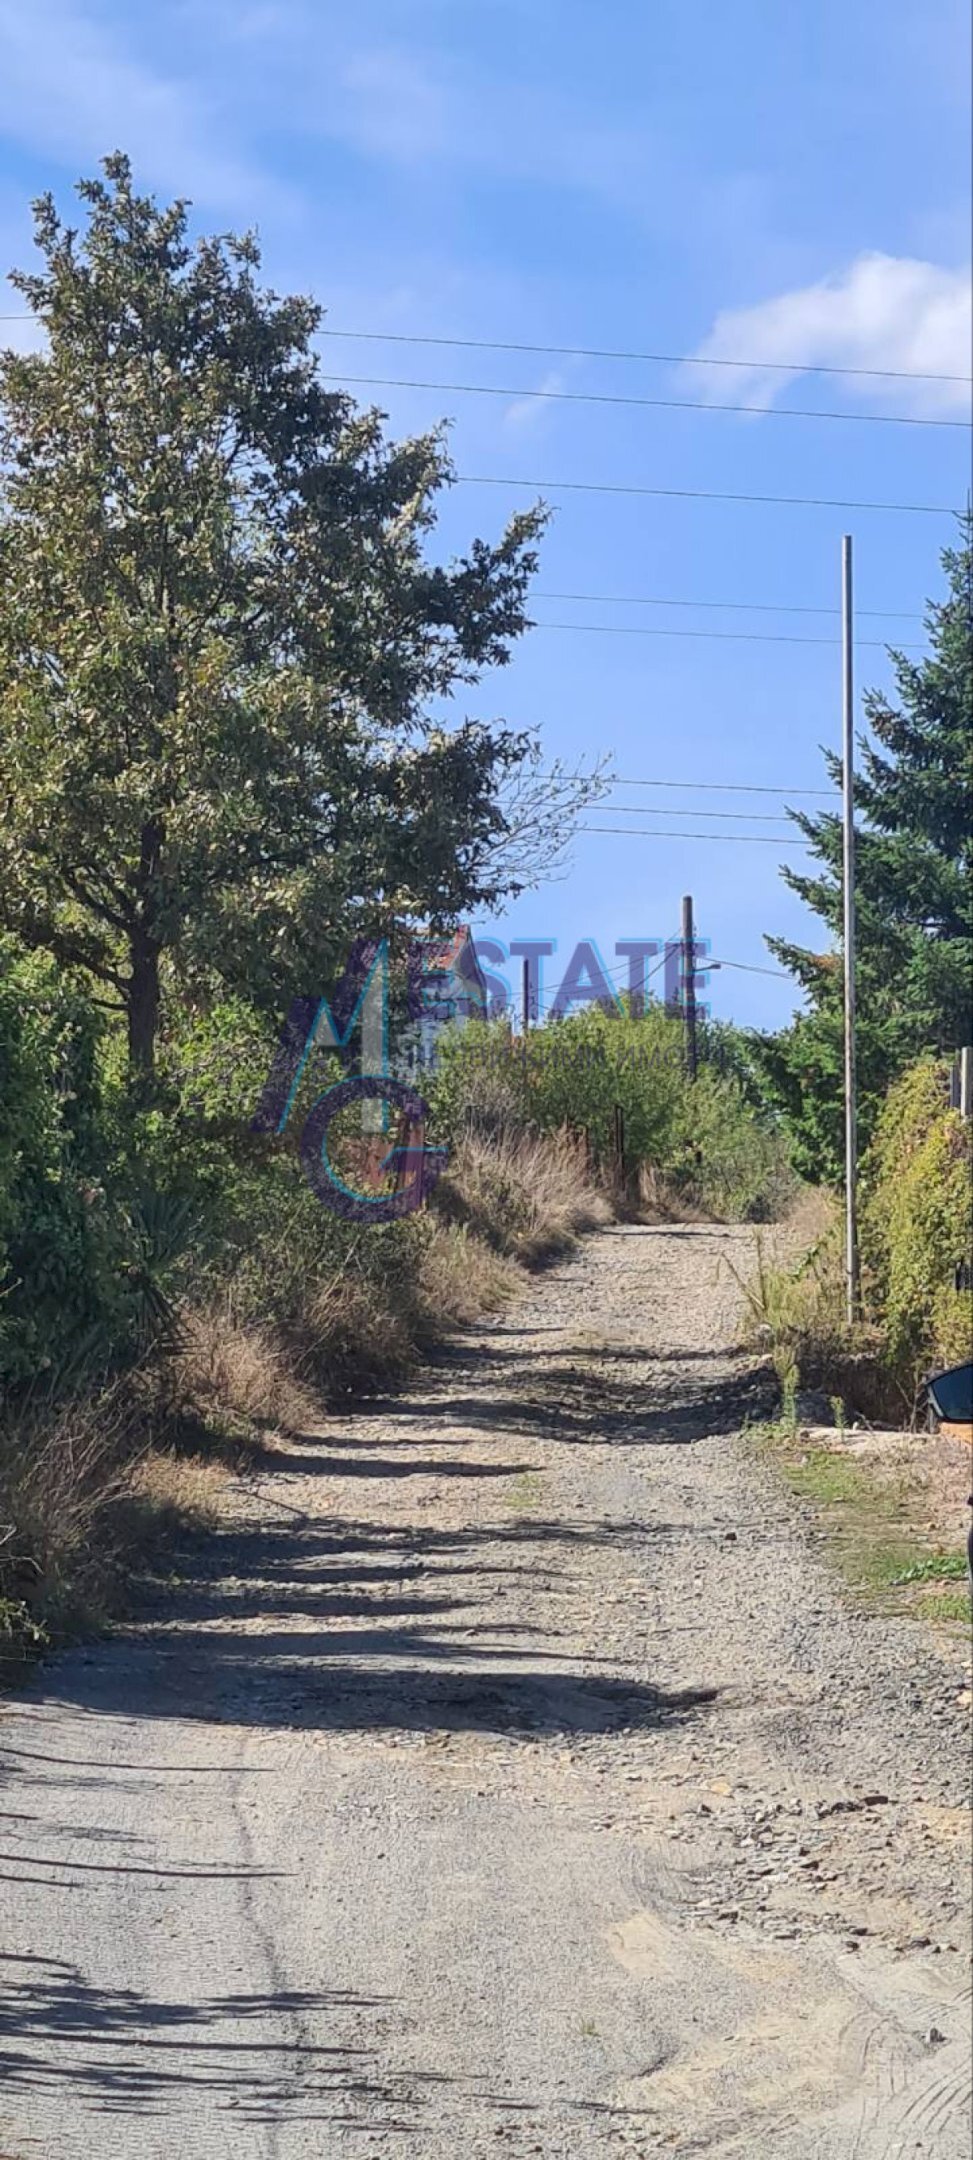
(510, 1777)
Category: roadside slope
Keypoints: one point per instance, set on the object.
(510, 1775)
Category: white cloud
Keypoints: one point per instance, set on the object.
(883, 311)
(68, 88)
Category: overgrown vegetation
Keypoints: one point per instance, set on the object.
(709, 1143)
(227, 655)
(917, 1248)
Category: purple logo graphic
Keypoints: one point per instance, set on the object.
(446, 983)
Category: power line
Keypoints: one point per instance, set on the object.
(747, 968)
(633, 832)
(738, 637)
(617, 487)
(602, 397)
(595, 352)
(615, 975)
(721, 787)
(755, 817)
(755, 607)
(598, 352)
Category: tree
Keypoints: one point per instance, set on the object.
(221, 644)
(913, 892)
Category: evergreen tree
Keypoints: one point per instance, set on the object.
(222, 646)
(914, 979)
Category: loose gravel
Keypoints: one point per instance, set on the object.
(510, 1774)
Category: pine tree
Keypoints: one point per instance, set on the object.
(914, 902)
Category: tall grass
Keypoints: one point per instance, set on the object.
(526, 1196)
(94, 1481)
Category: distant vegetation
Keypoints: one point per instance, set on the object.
(917, 1250)
(712, 1144)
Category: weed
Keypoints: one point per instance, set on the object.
(826, 1477)
(952, 1605)
(937, 1567)
(524, 1491)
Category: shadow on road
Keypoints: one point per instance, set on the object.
(118, 2051)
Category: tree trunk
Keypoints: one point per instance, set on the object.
(143, 987)
(143, 1008)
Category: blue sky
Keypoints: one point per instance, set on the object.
(755, 182)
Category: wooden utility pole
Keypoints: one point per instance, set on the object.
(848, 881)
(689, 984)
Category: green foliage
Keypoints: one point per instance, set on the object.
(63, 1239)
(220, 639)
(916, 1223)
(939, 1567)
(732, 1158)
(708, 1139)
(913, 891)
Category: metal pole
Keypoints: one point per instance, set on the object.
(966, 1082)
(689, 983)
(848, 821)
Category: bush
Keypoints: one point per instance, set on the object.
(68, 1250)
(915, 1234)
(727, 1157)
(916, 1223)
(712, 1140)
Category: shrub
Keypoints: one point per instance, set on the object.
(68, 1250)
(712, 1140)
(730, 1159)
(916, 1222)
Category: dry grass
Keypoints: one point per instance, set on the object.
(351, 1338)
(460, 1277)
(168, 1492)
(525, 1197)
(85, 1501)
(658, 1200)
(94, 1486)
(794, 1307)
(232, 1378)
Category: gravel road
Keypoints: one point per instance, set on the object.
(509, 1776)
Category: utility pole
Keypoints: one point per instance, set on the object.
(966, 1083)
(848, 824)
(689, 983)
